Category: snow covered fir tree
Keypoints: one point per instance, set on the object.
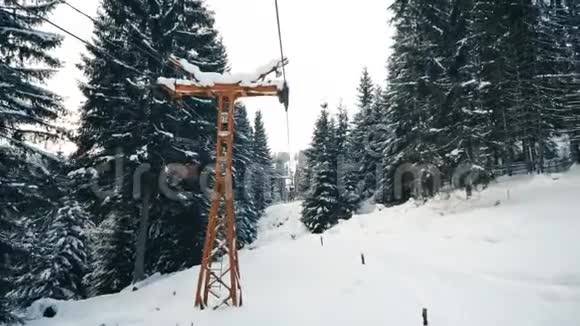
(262, 167)
(322, 206)
(28, 111)
(107, 188)
(337, 180)
(147, 132)
(475, 89)
(247, 212)
(60, 257)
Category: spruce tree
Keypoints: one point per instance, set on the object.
(363, 128)
(477, 84)
(321, 207)
(126, 123)
(27, 112)
(556, 78)
(416, 87)
(522, 105)
(25, 64)
(246, 212)
(60, 257)
(262, 166)
(33, 195)
(349, 196)
(552, 85)
(533, 83)
(464, 121)
(112, 255)
(571, 101)
(9, 247)
(379, 138)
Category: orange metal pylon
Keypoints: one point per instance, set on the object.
(220, 243)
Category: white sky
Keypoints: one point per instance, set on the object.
(327, 41)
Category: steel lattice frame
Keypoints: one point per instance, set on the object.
(220, 242)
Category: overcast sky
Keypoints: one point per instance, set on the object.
(328, 43)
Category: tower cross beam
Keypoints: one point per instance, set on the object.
(217, 90)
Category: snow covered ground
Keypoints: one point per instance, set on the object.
(493, 260)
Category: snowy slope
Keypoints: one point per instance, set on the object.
(488, 261)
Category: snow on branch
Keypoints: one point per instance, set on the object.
(31, 148)
(208, 79)
(45, 36)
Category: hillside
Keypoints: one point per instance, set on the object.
(492, 260)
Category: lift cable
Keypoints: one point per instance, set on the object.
(160, 59)
(139, 48)
(79, 11)
(98, 49)
(280, 39)
(285, 85)
(163, 62)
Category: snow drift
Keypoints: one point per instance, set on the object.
(509, 257)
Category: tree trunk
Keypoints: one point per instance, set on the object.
(575, 151)
(139, 270)
(468, 190)
(540, 158)
(526, 149)
(507, 147)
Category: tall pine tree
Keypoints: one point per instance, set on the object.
(571, 101)
(246, 213)
(60, 257)
(321, 208)
(347, 176)
(112, 255)
(126, 124)
(262, 166)
(415, 92)
(27, 113)
(464, 121)
(363, 128)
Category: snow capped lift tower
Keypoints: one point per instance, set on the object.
(219, 270)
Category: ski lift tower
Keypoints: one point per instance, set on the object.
(219, 275)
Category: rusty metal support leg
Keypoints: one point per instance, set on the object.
(220, 241)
